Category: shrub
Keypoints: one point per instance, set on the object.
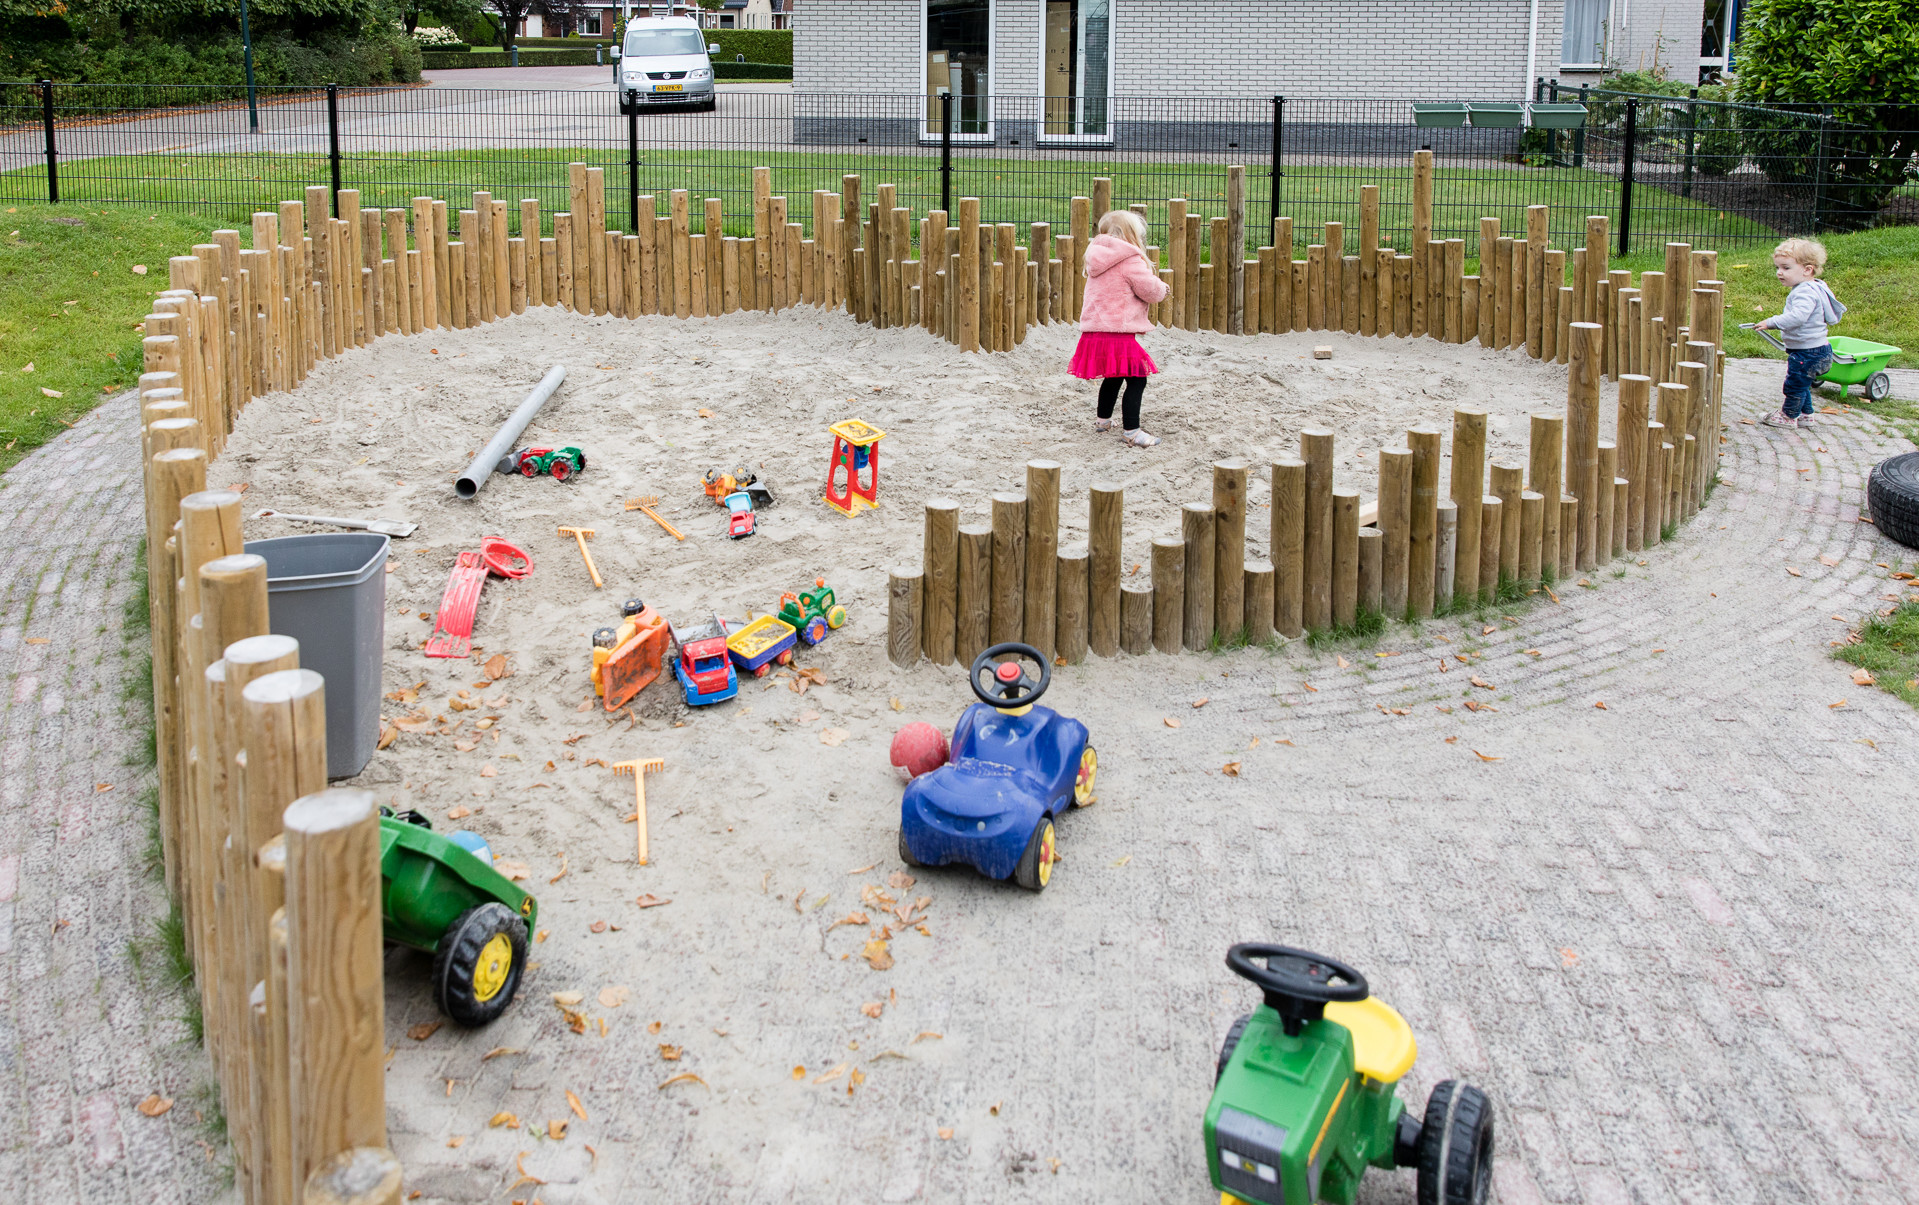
(758, 45)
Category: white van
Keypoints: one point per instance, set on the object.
(664, 59)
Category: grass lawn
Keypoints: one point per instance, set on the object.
(69, 300)
(1888, 649)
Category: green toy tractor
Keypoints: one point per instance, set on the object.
(441, 895)
(1304, 1099)
(812, 612)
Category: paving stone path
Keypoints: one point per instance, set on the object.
(1671, 936)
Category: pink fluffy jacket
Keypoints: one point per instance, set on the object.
(1120, 284)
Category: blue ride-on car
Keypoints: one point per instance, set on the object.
(1015, 768)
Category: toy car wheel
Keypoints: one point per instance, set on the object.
(528, 468)
(906, 854)
(1878, 386)
(785, 658)
(1083, 796)
(761, 671)
(562, 470)
(836, 617)
(1035, 867)
(1231, 1043)
(478, 965)
(1456, 1146)
(814, 631)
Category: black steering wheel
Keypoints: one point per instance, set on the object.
(1297, 984)
(1008, 684)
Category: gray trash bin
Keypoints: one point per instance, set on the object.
(328, 591)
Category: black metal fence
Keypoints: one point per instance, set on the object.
(1662, 168)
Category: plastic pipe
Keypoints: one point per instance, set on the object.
(468, 483)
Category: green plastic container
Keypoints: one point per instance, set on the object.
(1498, 115)
(1559, 117)
(1439, 115)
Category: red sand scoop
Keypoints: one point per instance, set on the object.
(453, 626)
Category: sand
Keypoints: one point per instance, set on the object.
(768, 801)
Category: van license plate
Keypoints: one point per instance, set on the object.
(669, 87)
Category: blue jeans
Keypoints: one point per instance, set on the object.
(1804, 367)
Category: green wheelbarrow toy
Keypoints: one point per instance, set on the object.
(439, 894)
(1858, 362)
(1305, 1099)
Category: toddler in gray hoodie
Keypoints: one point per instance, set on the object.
(1810, 308)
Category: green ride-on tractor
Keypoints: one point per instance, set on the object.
(441, 895)
(1304, 1099)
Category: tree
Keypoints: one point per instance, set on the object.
(1840, 82)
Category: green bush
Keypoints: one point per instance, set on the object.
(725, 69)
(758, 45)
(1842, 81)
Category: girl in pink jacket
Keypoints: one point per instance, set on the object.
(1120, 284)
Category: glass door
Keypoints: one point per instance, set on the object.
(958, 61)
(1076, 68)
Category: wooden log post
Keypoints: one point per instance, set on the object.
(1620, 496)
(1503, 293)
(1445, 543)
(1345, 557)
(974, 609)
(1531, 505)
(1257, 589)
(1042, 553)
(530, 231)
(1629, 426)
(1196, 530)
(1368, 259)
(1072, 605)
(1316, 449)
(1372, 556)
(1545, 476)
(1349, 294)
(1136, 618)
(1316, 287)
(1175, 260)
(1282, 289)
(939, 618)
(1009, 567)
(1491, 531)
(1403, 295)
(1395, 528)
(1422, 235)
(968, 297)
(1489, 266)
(1105, 503)
(1538, 230)
(1287, 543)
(1603, 499)
(1652, 534)
(1229, 553)
(362, 1175)
(1169, 594)
(1590, 306)
(1508, 480)
(1553, 319)
(1301, 290)
(1423, 530)
(1455, 289)
(1696, 375)
(1568, 522)
(1675, 406)
(1468, 488)
(852, 281)
(1582, 438)
(1335, 254)
(497, 246)
(904, 609)
(336, 1007)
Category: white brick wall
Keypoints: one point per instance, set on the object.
(1645, 34)
(1398, 49)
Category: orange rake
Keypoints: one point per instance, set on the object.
(646, 503)
(639, 770)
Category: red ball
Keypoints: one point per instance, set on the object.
(918, 748)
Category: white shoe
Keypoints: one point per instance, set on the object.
(1778, 419)
(1139, 439)
(1102, 424)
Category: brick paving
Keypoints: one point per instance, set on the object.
(1670, 937)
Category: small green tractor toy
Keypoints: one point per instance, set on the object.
(559, 463)
(1304, 1098)
(812, 612)
(441, 895)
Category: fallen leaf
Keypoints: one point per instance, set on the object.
(1473, 705)
(424, 1030)
(900, 880)
(487, 771)
(155, 1104)
(388, 735)
(526, 1177)
(1568, 957)
(506, 1119)
(457, 812)
(670, 1053)
(514, 871)
(45, 392)
(873, 1008)
(556, 1130)
(495, 667)
(1230, 769)
(139, 269)
(563, 868)
(1171, 722)
(653, 1028)
(567, 999)
(851, 918)
(831, 1074)
(1600, 704)
(876, 955)
(854, 1079)
(497, 1051)
(598, 926)
(705, 413)
(1343, 663)
(1829, 561)
(1836, 706)
(1486, 756)
(1481, 683)
(1794, 572)
(612, 997)
(1533, 653)
(1488, 630)
(799, 1073)
(468, 747)
(945, 1132)
(1310, 686)
(1862, 677)
(1199, 703)
(458, 1140)
(833, 736)
(29, 367)
(925, 1035)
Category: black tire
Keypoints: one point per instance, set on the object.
(1878, 387)
(1456, 1146)
(1030, 873)
(460, 984)
(1232, 1041)
(1892, 495)
(906, 855)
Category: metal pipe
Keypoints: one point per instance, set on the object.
(468, 483)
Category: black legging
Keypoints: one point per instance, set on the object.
(1109, 391)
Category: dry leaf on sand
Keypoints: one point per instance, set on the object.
(669, 1052)
(556, 1130)
(155, 1104)
(876, 955)
(567, 999)
(649, 900)
(504, 1118)
(1486, 756)
(1171, 722)
(424, 1030)
(851, 918)
(685, 1077)
(828, 1076)
(613, 996)
(873, 1008)
(496, 667)
(573, 1103)
(833, 736)
(1230, 769)
(1862, 677)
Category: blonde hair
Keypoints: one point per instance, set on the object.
(1124, 223)
(1804, 251)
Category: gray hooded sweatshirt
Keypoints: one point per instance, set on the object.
(1810, 309)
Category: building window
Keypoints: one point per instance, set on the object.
(590, 23)
(1583, 42)
(1076, 58)
(958, 54)
(726, 20)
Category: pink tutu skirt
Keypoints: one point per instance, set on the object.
(1110, 354)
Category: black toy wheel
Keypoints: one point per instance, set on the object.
(1297, 984)
(1456, 1146)
(906, 854)
(1231, 1043)
(1007, 684)
(1035, 868)
(1892, 495)
(478, 965)
(1878, 386)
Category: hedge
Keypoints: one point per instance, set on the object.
(758, 45)
(431, 61)
(728, 70)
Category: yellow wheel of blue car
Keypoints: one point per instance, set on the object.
(1035, 868)
(1088, 772)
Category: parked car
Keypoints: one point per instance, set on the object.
(664, 60)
